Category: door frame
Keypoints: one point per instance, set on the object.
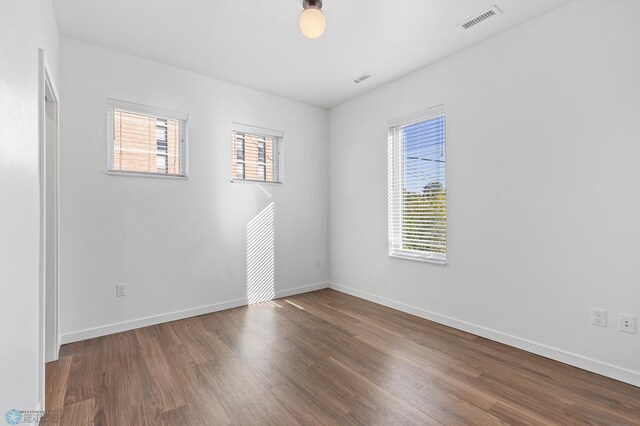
(47, 92)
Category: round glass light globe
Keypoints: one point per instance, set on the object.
(312, 22)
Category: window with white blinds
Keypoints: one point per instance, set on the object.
(146, 140)
(417, 186)
(256, 154)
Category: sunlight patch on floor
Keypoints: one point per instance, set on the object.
(261, 257)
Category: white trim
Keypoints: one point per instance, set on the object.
(594, 366)
(147, 109)
(299, 290)
(104, 330)
(414, 117)
(145, 174)
(258, 182)
(258, 131)
(46, 82)
(418, 257)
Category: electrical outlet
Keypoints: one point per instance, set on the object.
(627, 323)
(121, 290)
(317, 263)
(599, 317)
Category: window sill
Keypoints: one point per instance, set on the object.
(148, 175)
(425, 258)
(256, 182)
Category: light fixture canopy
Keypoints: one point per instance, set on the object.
(312, 20)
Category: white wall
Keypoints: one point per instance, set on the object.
(543, 188)
(178, 244)
(25, 26)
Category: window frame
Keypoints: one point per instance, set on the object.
(395, 155)
(278, 152)
(159, 114)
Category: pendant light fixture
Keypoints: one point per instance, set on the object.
(312, 20)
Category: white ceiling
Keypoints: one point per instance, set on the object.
(257, 44)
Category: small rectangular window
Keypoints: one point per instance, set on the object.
(417, 186)
(146, 140)
(256, 154)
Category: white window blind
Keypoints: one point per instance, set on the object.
(256, 154)
(417, 186)
(145, 140)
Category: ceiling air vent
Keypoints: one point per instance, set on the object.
(362, 78)
(493, 12)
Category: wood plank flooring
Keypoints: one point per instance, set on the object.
(322, 358)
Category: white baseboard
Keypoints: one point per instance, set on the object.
(103, 330)
(598, 367)
(300, 290)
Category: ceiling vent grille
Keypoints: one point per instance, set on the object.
(487, 14)
(362, 78)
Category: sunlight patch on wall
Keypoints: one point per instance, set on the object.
(261, 257)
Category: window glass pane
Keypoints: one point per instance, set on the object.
(146, 144)
(162, 141)
(240, 149)
(259, 156)
(418, 216)
(424, 189)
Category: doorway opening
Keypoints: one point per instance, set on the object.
(48, 153)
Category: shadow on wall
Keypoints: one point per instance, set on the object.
(261, 257)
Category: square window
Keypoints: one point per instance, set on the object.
(258, 152)
(146, 140)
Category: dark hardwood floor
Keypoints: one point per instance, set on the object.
(322, 358)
